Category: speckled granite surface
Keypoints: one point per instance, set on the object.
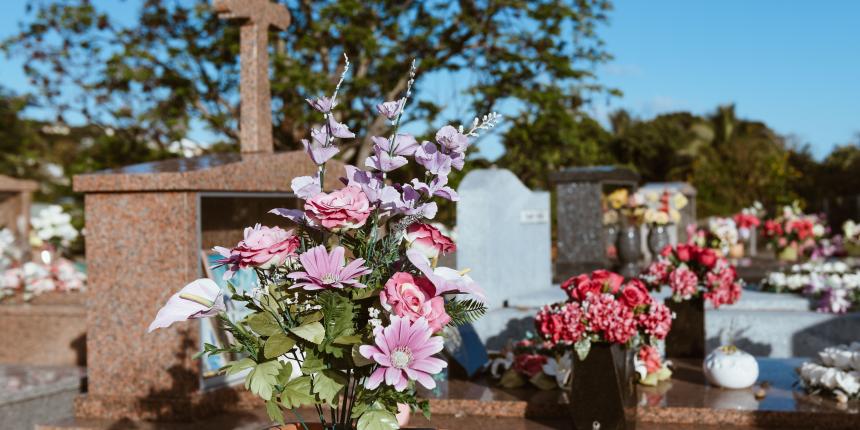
(32, 394)
(24, 326)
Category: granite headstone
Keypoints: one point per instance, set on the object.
(579, 216)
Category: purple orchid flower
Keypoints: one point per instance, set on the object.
(437, 187)
(325, 271)
(452, 140)
(322, 104)
(371, 184)
(404, 144)
(391, 109)
(339, 130)
(319, 153)
(429, 156)
(383, 161)
(306, 187)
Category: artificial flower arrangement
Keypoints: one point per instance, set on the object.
(626, 206)
(851, 237)
(53, 226)
(793, 232)
(690, 270)
(28, 279)
(663, 208)
(836, 373)
(352, 307)
(748, 219)
(834, 285)
(602, 308)
(650, 367)
(720, 234)
(533, 361)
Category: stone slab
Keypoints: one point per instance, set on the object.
(24, 326)
(33, 394)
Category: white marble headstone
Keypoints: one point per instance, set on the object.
(503, 236)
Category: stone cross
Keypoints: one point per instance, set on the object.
(255, 127)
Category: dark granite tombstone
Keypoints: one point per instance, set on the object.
(581, 241)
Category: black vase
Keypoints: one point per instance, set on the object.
(687, 337)
(602, 389)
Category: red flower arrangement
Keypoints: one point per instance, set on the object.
(602, 308)
(794, 229)
(690, 270)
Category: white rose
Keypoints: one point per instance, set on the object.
(848, 382)
(829, 378)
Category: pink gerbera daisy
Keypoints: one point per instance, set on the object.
(325, 270)
(403, 352)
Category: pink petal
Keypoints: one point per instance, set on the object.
(429, 365)
(382, 359)
(382, 343)
(367, 351)
(393, 375)
(402, 383)
(424, 379)
(375, 379)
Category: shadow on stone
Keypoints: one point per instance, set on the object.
(79, 346)
(838, 330)
(514, 331)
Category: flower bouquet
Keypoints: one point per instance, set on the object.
(851, 238)
(836, 373)
(661, 210)
(28, 279)
(793, 232)
(352, 307)
(694, 274)
(534, 362)
(747, 221)
(604, 320)
(834, 285)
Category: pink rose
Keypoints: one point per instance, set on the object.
(635, 294)
(429, 240)
(262, 247)
(343, 209)
(413, 297)
(683, 282)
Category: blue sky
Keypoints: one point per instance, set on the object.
(792, 64)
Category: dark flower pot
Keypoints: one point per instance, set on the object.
(602, 389)
(687, 337)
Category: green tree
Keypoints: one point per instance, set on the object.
(176, 66)
(552, 134)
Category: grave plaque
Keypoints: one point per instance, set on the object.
(580, 234)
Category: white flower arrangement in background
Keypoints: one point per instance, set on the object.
(834, 283)
(835, 373)
(54, 226)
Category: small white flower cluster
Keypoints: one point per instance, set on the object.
(837, 372)
(34, 278)
(374, 321)
(9, 251)
(54, 225)
(486, 122)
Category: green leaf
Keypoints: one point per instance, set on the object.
(338, 317)
(313, 332)
(274, 411)
(264, 324)
(297, 393)
(314, 317)
(238, 366)
(285, 373)
(313, 362)
(261, 381)
(512, 379)
(327, 385)
(582, 347)
(278, 345)
(543, 381)
(377, 419)
(359, 359)
(348, 340)
(425, 408)
(464, 311)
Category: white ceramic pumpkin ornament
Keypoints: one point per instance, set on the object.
(729, 367)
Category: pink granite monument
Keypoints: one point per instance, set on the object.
(146, 226)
